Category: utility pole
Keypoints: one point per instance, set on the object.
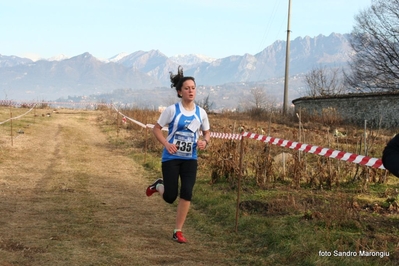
(287, 62)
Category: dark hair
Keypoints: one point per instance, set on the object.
(178, 80)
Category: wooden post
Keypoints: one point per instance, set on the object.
(300, 132)
(34, 113)
(12, 141)
(366, 149)
(146, 142)
(117, 124)
(283, 165)
(239, 182)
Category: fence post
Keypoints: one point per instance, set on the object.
(365, 137)
(12, 141)
(117, 124)
(146, 142)
(366, 149)
(239, 181)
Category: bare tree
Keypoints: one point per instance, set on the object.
(374, 66)
(256, 101)
(259, 103)
(259, 98)
(323, 81)
(206, 104)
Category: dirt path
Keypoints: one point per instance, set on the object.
(67, 199)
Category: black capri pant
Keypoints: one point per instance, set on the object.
(171, 171)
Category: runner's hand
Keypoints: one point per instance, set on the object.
(201, 144)
(171, 148)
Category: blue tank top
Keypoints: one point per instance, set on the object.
(183, 131)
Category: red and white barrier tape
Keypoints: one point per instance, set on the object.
(130, 119)
(343, 156)
(225, 136)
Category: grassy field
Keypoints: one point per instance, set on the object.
(308, 211)
(318, 211)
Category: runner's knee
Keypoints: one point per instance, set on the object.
(169, 198)
(186, 195)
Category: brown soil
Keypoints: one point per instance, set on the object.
(68, 198)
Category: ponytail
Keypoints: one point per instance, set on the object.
(178, 80)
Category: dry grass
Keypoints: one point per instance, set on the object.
(73, 194)
(69, 197)
(290, 211)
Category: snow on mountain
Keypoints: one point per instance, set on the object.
(117, 57)
(191, 59)
(59, 57)
(33, 57)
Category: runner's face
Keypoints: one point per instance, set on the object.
(188, 91)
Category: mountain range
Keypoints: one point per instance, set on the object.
(132, 78)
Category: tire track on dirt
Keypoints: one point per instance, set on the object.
(52, 162)
(75, 201)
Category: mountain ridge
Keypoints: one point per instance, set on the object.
(84, 74)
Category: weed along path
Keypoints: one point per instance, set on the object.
(68, 198)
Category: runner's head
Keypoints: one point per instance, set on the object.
(178, 80)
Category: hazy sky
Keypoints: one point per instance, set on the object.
(215, 28)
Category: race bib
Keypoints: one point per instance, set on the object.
(194, 125)
(184, 142)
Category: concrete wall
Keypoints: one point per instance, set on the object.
(355, 108)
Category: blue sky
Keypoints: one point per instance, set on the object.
(215, 28)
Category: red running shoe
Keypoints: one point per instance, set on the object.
(151, 189)
(178, 236)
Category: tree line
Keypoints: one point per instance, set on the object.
(374, 63)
